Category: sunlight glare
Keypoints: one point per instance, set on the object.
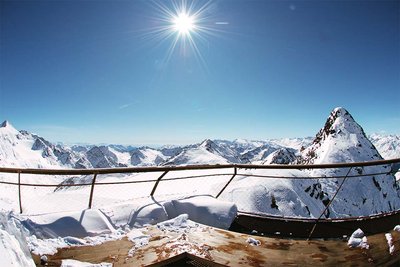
(184, 23)
(187, 24)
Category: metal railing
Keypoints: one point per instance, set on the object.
(392, 164)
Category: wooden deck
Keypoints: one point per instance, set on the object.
(214, 247)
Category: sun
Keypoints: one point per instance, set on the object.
(184, 24)
(187, 24)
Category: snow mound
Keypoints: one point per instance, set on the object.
(389, 239)
(280, 197)
(13, 248)
(357, 239)
(135, 214)
(75, 263)
(180, 224)
(77, 224)
(203, 209)
(138, 237)
(253, 242)
(11, 253)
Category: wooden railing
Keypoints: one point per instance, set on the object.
(392, 164)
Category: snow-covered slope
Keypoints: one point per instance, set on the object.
(103, 157)
(343, 140)
(281, 156)
(295, 143)
(387, 145)
(146, 156)
(23, 149)
(260, 153)
(340, 140)
(241, 146)
(205, 153)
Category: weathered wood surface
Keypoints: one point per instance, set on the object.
(225, 248)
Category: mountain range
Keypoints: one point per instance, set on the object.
(24, 149)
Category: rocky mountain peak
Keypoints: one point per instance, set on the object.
(6, 125)
(208, 145)
(339, 119)
(341, 139)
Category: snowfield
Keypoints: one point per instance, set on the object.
(58, 216)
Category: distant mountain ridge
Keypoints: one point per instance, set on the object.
(23, 149)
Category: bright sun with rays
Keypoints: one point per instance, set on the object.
(184, 23)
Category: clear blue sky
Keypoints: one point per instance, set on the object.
(94, 71)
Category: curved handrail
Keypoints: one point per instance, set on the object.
(312, 220)
(194, 167)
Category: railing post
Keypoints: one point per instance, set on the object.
(19, 192)
(226, 185)
(156, 184)
(91, 190)
(329, 203)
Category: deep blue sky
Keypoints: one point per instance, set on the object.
(92, 71)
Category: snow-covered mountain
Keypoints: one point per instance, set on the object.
(241, 146)
(259, 154)
(343, 140)
(103, 157)
(146, 156)
(281, 156)
(23, 149)
(387, 145)
(340, 140)
(295, 143)
(206, 152)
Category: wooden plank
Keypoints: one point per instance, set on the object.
(225, 248)
(111, 251)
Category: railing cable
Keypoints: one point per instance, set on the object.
(329, 203)
(91, 190)
(226, 185)
(157, 182)
(19, 192)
